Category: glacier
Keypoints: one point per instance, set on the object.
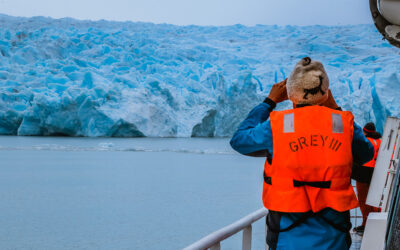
(130, 79)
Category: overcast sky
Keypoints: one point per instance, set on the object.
(199, 12)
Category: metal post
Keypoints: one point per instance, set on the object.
(246, 241)
(392, 231)
(266, 232)
(216, 246)
(378, 192)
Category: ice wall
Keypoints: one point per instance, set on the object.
(83, 78)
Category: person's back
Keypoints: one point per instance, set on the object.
(310, 178)
(310, 150)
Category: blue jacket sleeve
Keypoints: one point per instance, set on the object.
(363, 150)
(254, 135)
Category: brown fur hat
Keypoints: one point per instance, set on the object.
(308, 83)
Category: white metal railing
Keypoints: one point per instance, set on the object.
(213, 240)
(380, 189)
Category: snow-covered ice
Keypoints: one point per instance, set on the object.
(84, 78)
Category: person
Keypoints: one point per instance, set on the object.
(363, 175)
(309, 151)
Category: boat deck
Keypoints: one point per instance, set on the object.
(356, 241)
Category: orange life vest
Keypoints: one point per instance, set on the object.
(312, 161)
(376, 143)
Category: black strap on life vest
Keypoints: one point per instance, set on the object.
(317, 184)
(267, 179)
(341, 228)
(296, 183)
(305, 217)
(293, 225)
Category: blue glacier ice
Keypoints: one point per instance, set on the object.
(103, 78)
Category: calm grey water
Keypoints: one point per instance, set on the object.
(115, 193)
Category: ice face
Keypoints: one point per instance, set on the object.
(83, 78)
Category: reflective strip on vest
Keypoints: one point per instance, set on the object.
(288, 123)
(337, 123)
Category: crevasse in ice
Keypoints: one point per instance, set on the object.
(84, 78)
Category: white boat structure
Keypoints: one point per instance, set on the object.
(382, 230)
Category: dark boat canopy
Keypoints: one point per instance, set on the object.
(389, 29)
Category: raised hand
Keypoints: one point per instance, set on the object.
(278, 92)
(330, 102)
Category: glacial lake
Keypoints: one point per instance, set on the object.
(124, 193)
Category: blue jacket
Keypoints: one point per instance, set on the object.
(254, 135)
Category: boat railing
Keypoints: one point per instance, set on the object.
(213, 240)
